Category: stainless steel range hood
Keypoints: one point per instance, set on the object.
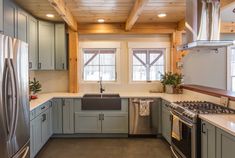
(203, 25)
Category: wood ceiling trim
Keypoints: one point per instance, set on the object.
(119, 28)
(135, 13)
(63, 11)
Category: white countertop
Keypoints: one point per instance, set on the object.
(225, 122)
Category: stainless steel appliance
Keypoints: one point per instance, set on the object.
(143, 125)
(203, 25)
(14, 99)
(187, 113)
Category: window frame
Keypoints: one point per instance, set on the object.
(99, 45)
(229, 65)
(148, 64)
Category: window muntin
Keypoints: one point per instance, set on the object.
(147, 64)
(99, 63)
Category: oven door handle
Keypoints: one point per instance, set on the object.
(173, 152)
(190, 125)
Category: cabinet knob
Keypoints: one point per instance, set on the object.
(203, 124)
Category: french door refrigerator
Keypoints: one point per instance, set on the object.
(14, 99)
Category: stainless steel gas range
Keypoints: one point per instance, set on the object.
(186, 113)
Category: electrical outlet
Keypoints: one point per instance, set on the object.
(224, 101)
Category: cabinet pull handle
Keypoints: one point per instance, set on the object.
(39, 65)
(30, 65)
(43, 107)
(44, 117)
(102, 116)
(203, 124)
(63, 66)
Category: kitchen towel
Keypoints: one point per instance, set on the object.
(144, 108)
(176, 128)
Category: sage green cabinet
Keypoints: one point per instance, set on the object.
(87, 122)
(208, 145)
(68, 116)
(57, 116)
(1, 15)
(60, 47)
(10, 18)
(46, 45)
(22, 22)
(225, 144)
(115, 122)
(166, 121)
(32, 36)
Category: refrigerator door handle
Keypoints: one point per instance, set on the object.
(10, 108)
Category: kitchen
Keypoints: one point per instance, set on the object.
(117, 78)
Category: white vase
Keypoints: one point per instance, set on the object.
(169, 89)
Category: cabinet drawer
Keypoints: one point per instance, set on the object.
(42, 108)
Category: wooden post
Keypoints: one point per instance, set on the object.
(73, 55)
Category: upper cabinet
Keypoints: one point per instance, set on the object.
(32, 32)
(10, 18)
(60, 47)
(1, 15)
(22, 19)
(46, 45)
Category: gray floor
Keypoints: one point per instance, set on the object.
(106, 148)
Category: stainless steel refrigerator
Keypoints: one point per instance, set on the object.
(14, 98)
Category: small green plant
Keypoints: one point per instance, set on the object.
(170, 78)
(35, 86)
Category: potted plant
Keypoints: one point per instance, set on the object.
(171, 82)
(34, 87)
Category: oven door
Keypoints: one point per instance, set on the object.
(186, 146)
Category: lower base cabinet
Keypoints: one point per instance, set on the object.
(166, 121)
(87, 122)
(216, 143)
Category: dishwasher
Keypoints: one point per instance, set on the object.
(147, 125)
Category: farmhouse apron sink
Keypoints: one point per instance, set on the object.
(101, 102)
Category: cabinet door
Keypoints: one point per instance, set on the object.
(10, 18)
(45, 126)
(46, 45)
(32, 34)
(225, 144)
(32, 139)
(57, 116)
(166, 123)
(37, 134)
(1, 15)
(87, 122)
(68, 116)
(22, 25)
(207, 140)
(60, 47)
(115, 122)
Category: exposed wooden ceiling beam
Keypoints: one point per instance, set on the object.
(181, 25)
(119, 28)
(63, 11)
(135, 13)
(225, 3)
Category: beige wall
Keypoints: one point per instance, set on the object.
(52, 81)
(124, 84)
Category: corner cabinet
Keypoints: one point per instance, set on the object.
(166, 121)
(68, 116)
(60, 47)
(57, 116)
(32, 36)
(46, 45)
(1, 16)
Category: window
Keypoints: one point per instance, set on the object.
(99, 63)
(233, 69)
(147, 64)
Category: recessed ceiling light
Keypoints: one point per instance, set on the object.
(50, 15)
(161, 15)
(100, 20)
